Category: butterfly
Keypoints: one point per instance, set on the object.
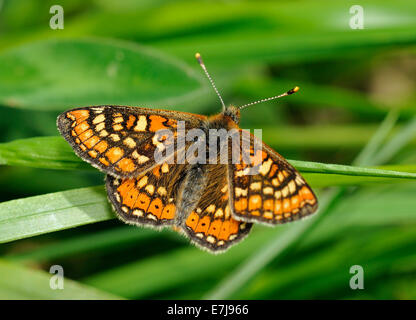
(213, 204)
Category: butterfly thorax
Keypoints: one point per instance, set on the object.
(233, 113)
(228, 119)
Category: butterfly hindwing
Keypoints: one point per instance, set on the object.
(267, 188)
(149, 199)
(120, 141)
(211, 225)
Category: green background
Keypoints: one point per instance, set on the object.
(356, 106)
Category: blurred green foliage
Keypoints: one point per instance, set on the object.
(142, 53)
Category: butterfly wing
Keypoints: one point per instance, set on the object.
(120, 141)
(149, 199)
(210, 225)
(269, 191)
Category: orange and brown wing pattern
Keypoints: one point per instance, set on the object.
(121, 141)
(149, 199)
(274, 193)
(211, 225)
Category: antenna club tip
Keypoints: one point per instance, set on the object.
(295, 89)
(197, 55)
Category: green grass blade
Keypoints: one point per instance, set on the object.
(31, 216)
(41, 152)
(55, 153)
(22, 283)
(317, 167)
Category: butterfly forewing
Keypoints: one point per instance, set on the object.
(121, 141)
(211, 225)
(269, 191)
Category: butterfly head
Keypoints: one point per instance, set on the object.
(232, 111)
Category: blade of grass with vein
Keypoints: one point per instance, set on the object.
(277, 248)
(41, 152)
(328, 168)
(24, 283)
(28, 217)
(55, 153)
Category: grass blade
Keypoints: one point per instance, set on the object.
(55, 153)
(41, 152)
(23, 283)
(31, 216)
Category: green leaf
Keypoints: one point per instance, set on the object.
(52, 212)
(41, 152)
(316, 167)
(18, 282)
(59, 74)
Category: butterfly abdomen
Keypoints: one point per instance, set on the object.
(190, 191)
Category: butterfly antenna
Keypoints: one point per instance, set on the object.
(201, 63)
(291, 91)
